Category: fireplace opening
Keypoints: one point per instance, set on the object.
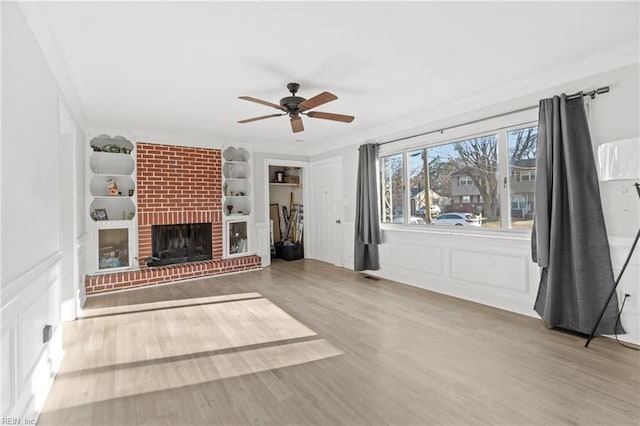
(182, 243)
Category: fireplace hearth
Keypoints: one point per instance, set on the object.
(181, 243)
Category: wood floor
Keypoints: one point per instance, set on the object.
(308, 343)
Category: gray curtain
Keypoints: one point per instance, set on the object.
(569, 239)
(367, 235)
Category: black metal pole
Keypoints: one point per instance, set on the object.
(613, 289)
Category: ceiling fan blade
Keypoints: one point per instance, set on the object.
(296, 124)
(249, 120)
(260, 101)
(330, 116)
(317, 100)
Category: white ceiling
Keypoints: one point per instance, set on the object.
(178, 68)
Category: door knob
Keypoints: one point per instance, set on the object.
(338, 221)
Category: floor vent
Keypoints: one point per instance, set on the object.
(369, 277)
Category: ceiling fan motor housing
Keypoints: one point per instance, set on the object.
(291, 103)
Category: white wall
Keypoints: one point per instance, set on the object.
(496, 269)
(30, 246)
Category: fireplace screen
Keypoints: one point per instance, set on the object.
(182, 243)
(113, 248)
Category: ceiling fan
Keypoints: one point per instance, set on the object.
(294, 106)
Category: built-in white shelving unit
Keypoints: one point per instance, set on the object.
(237, 201)
(111, 202)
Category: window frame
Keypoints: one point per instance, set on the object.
(500, 129)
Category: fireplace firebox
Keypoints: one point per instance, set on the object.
(181, 243)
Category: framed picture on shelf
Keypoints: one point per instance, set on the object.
(101, 214)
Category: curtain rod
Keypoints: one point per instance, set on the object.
(592, 94)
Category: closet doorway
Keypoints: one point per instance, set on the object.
(285, 214)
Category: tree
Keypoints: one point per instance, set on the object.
(440, 169)
(525, 144)
(479, 160)
(522, 147)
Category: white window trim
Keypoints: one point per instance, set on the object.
(503, 126)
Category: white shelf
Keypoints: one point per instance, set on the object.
(236, 209)
(283, 184)
(110, 197)
(107, 175)
(236, 171)
(120, 209)
(105, 163)
(113, 223)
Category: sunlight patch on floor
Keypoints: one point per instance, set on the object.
(171, 347)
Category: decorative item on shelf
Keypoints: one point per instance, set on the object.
(241, 194)
(131, 193)
(93, 215)
(96, 148)
(229, 209)
(279, 176)
(101, 214)
(113, 187)
(131, 215)
(125, 150)
(112, 148)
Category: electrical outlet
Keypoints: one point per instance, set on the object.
(46, 333)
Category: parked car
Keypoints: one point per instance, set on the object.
(413, 220)
(433, 210)
(457, 219)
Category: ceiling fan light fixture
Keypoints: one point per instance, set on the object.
(295, 105)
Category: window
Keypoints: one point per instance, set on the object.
(417, 190)
(522, 172)
(392, 181)
(465, 180)
(518, 201)
(526, 176)
(491, 177)
(472, 164)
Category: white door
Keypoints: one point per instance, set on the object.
(327, 210)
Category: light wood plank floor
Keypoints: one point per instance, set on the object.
(308, 343)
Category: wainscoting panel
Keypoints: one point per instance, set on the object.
(629, 284)
(470, 266)
(7, 368)
(81, 249)
(349, 234)
(491, 269)
(28, 364)
(32, 319)
(417, 257)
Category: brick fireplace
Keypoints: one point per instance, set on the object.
(175, 185)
